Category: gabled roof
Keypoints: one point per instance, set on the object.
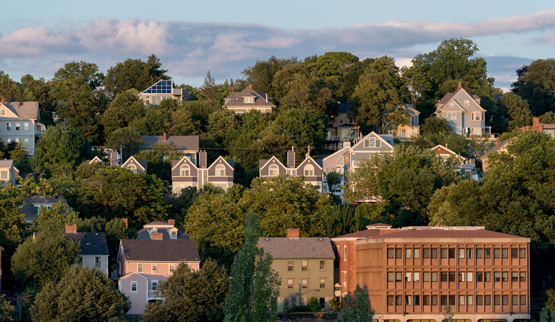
(183, 142)
(309, 158)
(91, 243)
(24, 110)
(496, 148)
(374, 134)
(304, 247)
(439, 147)
(338, 152)
(264, 163)
(6, 163)
(184, 159)
(141, 163)
(160, 250)
(28, 208)
(94, 160)
(343, 108)
(449, 96)
(224, 160)
(236, 99)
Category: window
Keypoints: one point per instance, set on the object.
(505, 299)
(426, 253)
(132, 167)
(479, 253)
(523, 300)
(26, 126)
(466, 103)
(514, 299)
(434, 276)
(496, 253)
(322, 283)
(304, 265)
(139, 267)
(425, 299)
(398, 253)
(461, 276)
(322, 265)
(469, 253)
(398, 300)
(497, 276)
(371, 142)
(98, 261)
(273, 170)
(134, 286)
(309, 171)
(154, 285)
(4, 175)
(17, 126)
(341, 120)
(289, 283)
(514, 253)
(523, 276)
(416, 276)
(505, 253)
(398, 277)
(416, 300)
(426, 276)
(185, 170)
(220, 170)
(461, 299)
(514, 276)
(290, 265)
(444, 276)
(451, 253)
(390, 300)
(2, 112)
(293, 301)
(304, 283)
(461, 252)
(248, 99)
(479, 277)
(522, 253)
(408, 253)
(8, 126)
(155, 268)
(434, 299)
(408, 277)
(26, 141)
(452, 277)
(408, 300)
(469, 300)
(476, 116)
(390, 253)
(487, 276)
(487, 299)
(172, 268)
(344, 252)
(487, 253)
(505, 276)
(469, 277)
(444, 253)
(443, 300)
(479, 300)
(434, 252)
(345, 278)
(390, 276)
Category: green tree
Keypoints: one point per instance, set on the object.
(261, 75)
(128, 139)
(314, 305)
(209, 88)
(536, 85)
(85, 72)
(58, 215)
(125, 108)
(82, 294)
(518, 110)
(201, 294)
(134, 73)
(334, 63)
(435, 125)
(6, 309)
(447, 313)
(548, 118)
(357, 308)
(62, 147)
(12, 222)
(333, 178)
(45, 258)
(254, 285)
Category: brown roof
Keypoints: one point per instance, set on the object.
(496, 148)
(236, 98)
(25, 110)
(160, 250)
(183, 142)
(6, 163)
(309, 247)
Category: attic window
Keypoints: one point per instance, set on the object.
(466, 103)
(371, 142)
(174, 234)
(273, 170)
(2, 112)
(249, 99)
(451, 105)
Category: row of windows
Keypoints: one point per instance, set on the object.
(304, 283)
(454, 276)
(302, 301)
(462, 300)
(456, 253)
(25, 141)
(304, 265)
(153, 285)
(17, 126)
(185, 170)
(273, 170)
(153, 268)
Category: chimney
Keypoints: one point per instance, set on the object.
(346, 143)
(71, 228)
(291, 158)
(202, 162)
(171, 222)
(3, 100)
(126, 222)
(498, 143)
(293, 233)
(250, 86)
(156, 236)
(231, 88)
(164, 137)
(266, 98)
(308, 151)
(460, 85)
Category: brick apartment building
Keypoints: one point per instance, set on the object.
(411, 273)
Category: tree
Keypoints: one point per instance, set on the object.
(314, 305)
(254, 285)
(357, 308)
(12, 222)
(82, 294)
(200, 294)
(6, 309)
(62, 147)
(536, 85)
(133, 73)
(209, 87)
(548, 118)
(122, 111)
(333, 178)
(45, 258)
(435, 125)
(85, 72)
(517, 109)
(128, 139)
(261, 75)
(334, 63)
(448, 313)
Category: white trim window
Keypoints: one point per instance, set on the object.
(273, 170)
(220, 170)
(139, 267)
(153, 285)
(309, 171)
(185, 170)
(172, 268)
(132, 168)
(133, 286)
(154, 268)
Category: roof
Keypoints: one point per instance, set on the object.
(91, 243)
(6, 163)
(448, 234)
(143, 234)
(183, 142)
(496, 148)
(309, 247)
(236, 98)
(28, 209)
(343, 108)
(449, 96)
(174, 250)
(25, 110)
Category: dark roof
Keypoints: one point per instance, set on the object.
(91, 243)
(496, 148)
(143, 234)
(231, 162)
(160, 250)
(236, 98)
(28, 209)
(343, 108)
(261, 163)
(369, 233)
(309, 247)
(25, 110)
(183, 142)
(449, 96)
(448, 233)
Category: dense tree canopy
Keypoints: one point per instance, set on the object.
(536, 85)
(134, 73)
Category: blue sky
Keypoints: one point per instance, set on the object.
(225, 37)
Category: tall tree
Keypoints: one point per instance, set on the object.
(126, 139)
(122, 111)
(357, 307)
(518, 110)
(85, 72)
(254, 285)
(536, 85)
(133, 73)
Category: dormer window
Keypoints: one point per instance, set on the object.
(185, 171)
(174, 234)
(466, 103)
(249, 99)
(309, 171)
(2, 112)
(451, 105)
(371, 142)
(132, 168)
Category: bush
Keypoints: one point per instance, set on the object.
(314, 305)
(334, 305)
(300, 308)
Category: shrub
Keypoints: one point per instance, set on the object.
(314, 305)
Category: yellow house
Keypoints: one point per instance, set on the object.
(8, 172)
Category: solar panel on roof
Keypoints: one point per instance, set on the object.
(160, 87)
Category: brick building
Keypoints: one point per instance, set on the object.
(411, 273)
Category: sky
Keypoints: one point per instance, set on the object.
(225, 37)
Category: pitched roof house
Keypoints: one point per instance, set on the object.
(341, 127)
(134, 165)
(540, 127)
(305, 266)
(186, 144)
(32, 205)
(20, 122)
(463, 113)
(186, 174)
(94, 248)
(168, 230)
(8, 172)
(144, 263)
(404, 132)
(247, 100)
(465, 166)
(163, 89)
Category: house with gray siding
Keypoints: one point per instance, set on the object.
(463, 113)
(93, 248)
(20, 122)
(134, 165)
(8, 172)
(186, 174)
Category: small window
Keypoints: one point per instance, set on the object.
(523, 276)
(514, 299)
(322, 283)
(290, 265)
(416, 300)
(220, 170)
(155, 268)
(434, 299)
(273, 170)
(304, 265)
(408, 253)
(479, 300)
(8, 126)
(505, 299)
(398, 300)
(139, 267)
(434, 252)
(451, 253)
(487, 299)
(172, 268)
(390, 276)
(26, 141)
(304, 283)
(487, 252)
(523, 300)
(469, 276)
(444, 253)
(487, 276)
(322, 265)
(98, 261)
(461, 252)
(398, 277)
(185, 170)
(426, 253)
(452, 276)
(17, 126)
(497, 276)
(390, 253)
(444, 276)
(522, 253)
(479, 277)
(408, 300)
(309, 171)
(2, 112)
(408, 277)
(514, 276)
(514, 253)
(469, 253)
(26, 126)
(461, 299)
(461, 276)
(505, 253)
(293, 301)
(398, 253)
(344, 252)
(469, 300)
(390, 300)
(479, 253)
(496, 253)
(416, 253)
(434, 276)
(426, 276)
(416, 276)
(154, 285)
(134, 287)
(4, 176)
(289, 283)
(425, 300)
(505, 276)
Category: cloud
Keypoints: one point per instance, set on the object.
(190, 49)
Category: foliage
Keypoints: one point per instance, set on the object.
(254, 285)
(519, 113)
(128, 139)
(536, 85)
(548, 118)
(45, 258)
(6, 309)
(123, 110)
(199, 294)
(333, 178)
(82, 294)
(434, 125)
(56, 217)
(134, 73)
(357, 308)
(448, 313)
(314, 305)
(12, 223)
(334, 305)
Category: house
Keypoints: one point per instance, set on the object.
(8, 172)
(20, 122)
(188, 145)
(411, 273)
(94, 160)
(248, 100)
(465, 166)
(94, 248)
(540, 127)
(463, 113)
(404, 132)
(31, 207)
(168, 230)
(186, 174)
(309, 168)
(305, 266)
(500, 146)
(144, 263)
(348, 157)
(161, 90)
(341, 128)
(134, 165)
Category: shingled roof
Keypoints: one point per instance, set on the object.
(28, 208)
(449, 96)
(25, 110)
(91, 243)
(160, 250)
(236, 99)
(309, 247)
(183, 142)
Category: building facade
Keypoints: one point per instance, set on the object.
(248, 100)
(8, 172)
(309, 168)
(186, 174)
(94, 248)
(20, 122)
(161, 90)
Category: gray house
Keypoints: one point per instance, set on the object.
(94, 248)
(463, 113)
(186, 174)
(136, 166)
(311, 169)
